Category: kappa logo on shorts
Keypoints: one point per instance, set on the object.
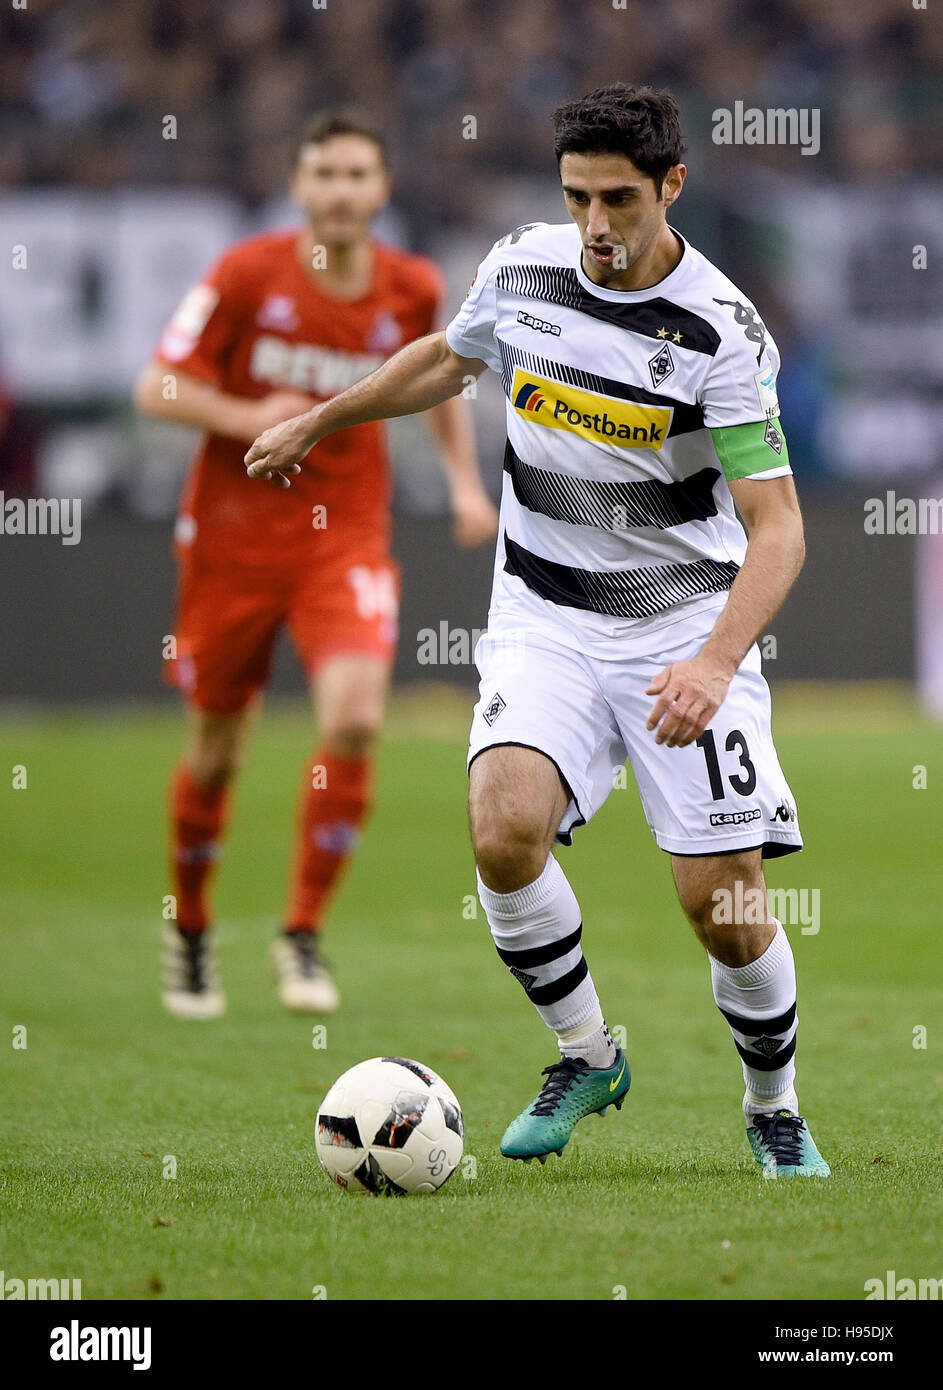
(784, 812)
(495, 707)
(735, 817)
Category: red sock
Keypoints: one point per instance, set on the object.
(335, 800)
(197, 818)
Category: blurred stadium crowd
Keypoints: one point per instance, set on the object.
(83, 86)
(823, 244)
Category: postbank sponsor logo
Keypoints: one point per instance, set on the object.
(600, 419)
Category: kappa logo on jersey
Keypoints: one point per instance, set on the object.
(514, 237)
(278, 312)
(661, 366)
(539, 325)
(495, 707)
(601, 419)
(754, 328)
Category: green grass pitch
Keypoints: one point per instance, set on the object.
(660, 1201)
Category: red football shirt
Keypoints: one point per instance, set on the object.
(259, 322)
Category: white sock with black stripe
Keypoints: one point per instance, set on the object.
(537, 931)
(759, 1003)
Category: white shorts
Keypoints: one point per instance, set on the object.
(725, 792)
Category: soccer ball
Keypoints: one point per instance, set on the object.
(389, 1126)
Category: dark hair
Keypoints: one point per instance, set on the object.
(324, 125)
(638, 122)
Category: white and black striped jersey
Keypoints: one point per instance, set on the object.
(624, 420)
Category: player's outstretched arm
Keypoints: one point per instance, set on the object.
(419, 376)
(194, 402)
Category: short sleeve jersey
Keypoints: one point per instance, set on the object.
(258, 322)
(623, 412)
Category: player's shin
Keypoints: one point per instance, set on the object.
(758, 1001)
(537, 931)
(198, 816)
(334, 804)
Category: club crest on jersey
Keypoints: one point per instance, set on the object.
(600, 419)
(661, 366)
(278, 312)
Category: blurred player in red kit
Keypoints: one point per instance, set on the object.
(281, 321)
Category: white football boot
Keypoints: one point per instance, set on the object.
(191, 989)
(303, 980)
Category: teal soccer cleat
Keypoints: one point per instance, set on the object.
(784, 1148)
(572, 1090)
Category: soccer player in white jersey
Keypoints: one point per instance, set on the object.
(627, 600)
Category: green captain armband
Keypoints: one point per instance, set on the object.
(747, 449)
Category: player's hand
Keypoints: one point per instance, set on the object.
(475, 518)
(689, 695)
(276, 452)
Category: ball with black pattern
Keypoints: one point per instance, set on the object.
(390, 1126)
